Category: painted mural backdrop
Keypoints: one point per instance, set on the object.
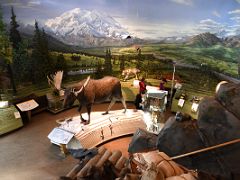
(103, 37)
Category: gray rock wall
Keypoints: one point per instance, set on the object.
(218, 122)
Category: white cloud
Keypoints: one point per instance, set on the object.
(209, 22)
(209, 25)
(217, 14)
(22, 4)
(237, 11)
(34, 3)
(221, 30)
(145, 29)
(238, 1)
(12, 4)
(236, 19)
(233, 30)
(184, 2)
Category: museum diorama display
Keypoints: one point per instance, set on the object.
(10, 117)
(120, 90)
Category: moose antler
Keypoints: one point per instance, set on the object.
(55, 80)
(84, 85)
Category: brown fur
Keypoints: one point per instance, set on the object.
(96, 91)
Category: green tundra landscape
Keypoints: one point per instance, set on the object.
(156, 61)
(198, 60)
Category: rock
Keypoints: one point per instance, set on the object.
(219, 126)
(177, 138)
(170, 139)
(228, 94)
(218, 122)
(142, 141)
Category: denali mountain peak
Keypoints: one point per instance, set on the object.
(78, 23)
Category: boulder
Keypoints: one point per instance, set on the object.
(142, 141)
(218, 122)
(228, 94)
(218, 125)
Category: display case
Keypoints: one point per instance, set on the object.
(186, 102)
(155, 104)
(10, 118)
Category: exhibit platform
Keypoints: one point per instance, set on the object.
(102, 128)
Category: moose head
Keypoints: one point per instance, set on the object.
(71, 94)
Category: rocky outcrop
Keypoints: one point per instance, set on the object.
(205, 40)
(142, 141)
(218, 122)
(233, 41)
(228, 94)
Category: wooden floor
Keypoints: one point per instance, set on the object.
(27, 154)
(119, 144)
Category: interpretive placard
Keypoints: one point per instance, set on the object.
(181, 102)
(60, 136)
(194, 107)
(27, 105)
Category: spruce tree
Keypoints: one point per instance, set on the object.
(20, 60)
(108, 63)
(139, 59)
(6, 51)
(15, 37)
(36, 55)
(47, 61)
(61, 63)
(99, 71)
(238, 69)
(21, 65)
(122, 63)
(4, 43)
(41, 62)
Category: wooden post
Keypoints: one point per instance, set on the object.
(63, 149)
(206, 149)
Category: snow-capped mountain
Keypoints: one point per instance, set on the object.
(81, 27)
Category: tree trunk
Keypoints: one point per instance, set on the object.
(9, 68)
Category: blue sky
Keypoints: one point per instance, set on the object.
(142, 18)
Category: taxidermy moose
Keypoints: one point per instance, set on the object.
(90, 91)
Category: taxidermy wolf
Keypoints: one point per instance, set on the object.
(90, 91)
(131, 71)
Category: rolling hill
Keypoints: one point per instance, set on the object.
(205, 40)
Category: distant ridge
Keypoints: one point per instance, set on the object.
(53, 43)
(233, 41)
(205, 40)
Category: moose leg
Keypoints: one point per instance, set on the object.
(89, 107)
(126, 77)
(79, 110)
(110, 106)
(124, 104)
(137, 76)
